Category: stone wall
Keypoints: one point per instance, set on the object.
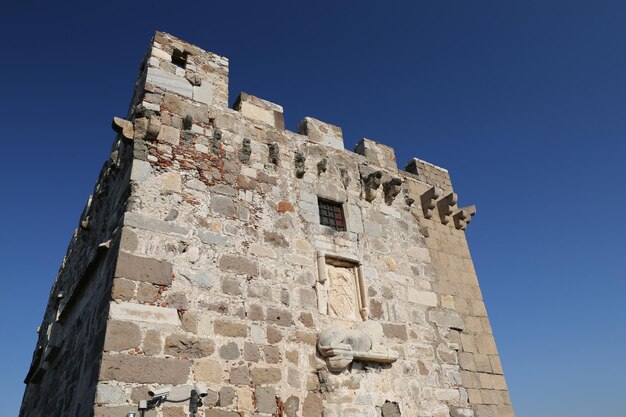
(225, 275)
(64, 371)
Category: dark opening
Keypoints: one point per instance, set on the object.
(179, 58)
(331, 214)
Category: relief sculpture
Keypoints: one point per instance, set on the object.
(342, 295)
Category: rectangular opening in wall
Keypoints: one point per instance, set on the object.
(179, 58)
(331, 214)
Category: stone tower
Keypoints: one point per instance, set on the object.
(289, 275)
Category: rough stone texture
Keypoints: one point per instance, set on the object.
(218, 269)
(266, 400)
(143, 269)
(121, 336)
(127, 368)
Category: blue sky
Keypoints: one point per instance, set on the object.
(524, 102)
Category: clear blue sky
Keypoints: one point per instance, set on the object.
(524, 102)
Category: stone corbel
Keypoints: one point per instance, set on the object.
(463, 216)
(371, 183)
(391, 189)
(340, 346)
(445, 207)
(428, 200)
(123, 127)
(299, 162)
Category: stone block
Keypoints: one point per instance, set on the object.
(251, 352)
(320, 132)
(240, 375)
(208, 370)
(141, 222)
(227, 396)
(292, 406)
(231, 286)
(203, 93)
(266, 400)
(121, 335)
(211, 238)
(169, 82)
(426, 298)
(274, 335)
(260, 110)
(230, 328)
(271, 354)
(123, 289)
(120, 410)
(109, 394)
(223, 205)
(183, 346)
(147, 293)
(229, 351)
(377, 153)
(152, 343)
(279, 316)
(265, 376)
(447, 318)
(313, 405)
(144, 313)
(393, 330)
(215, 412)
(238, 265)
(143, 269)
(145, 370)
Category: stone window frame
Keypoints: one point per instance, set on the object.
(342, 215)
(321, 285)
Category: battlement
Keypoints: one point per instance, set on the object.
(183, 81)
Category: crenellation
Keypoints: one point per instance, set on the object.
(215, 264)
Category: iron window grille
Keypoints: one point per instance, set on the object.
(331, 215)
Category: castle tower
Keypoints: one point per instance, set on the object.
(290, 276)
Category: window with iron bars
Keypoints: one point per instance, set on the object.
(331, 214)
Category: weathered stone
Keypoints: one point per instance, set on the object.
(214, 412)
(183, 346)
(141, 222)
(251, 352)
(227, 396)
(274, 335)
(223, 205)
(143, 269)
(390, 409)
(238, 265)
(121, 335)
(169, 82)
(141, 369)
(229, 351)
(240, 375)
(292, 406)
(208, 370)
(272, 354)
(313, 405)
(264, 376)
(213, 238)
(178, 300)
(397, 331)
(279, 316)
(109, 394)
(266, 400)
(231, 286)
(140, 312)
(447, 318)
(147, 292)
(152, 343)
(230, 328)
(123, 289)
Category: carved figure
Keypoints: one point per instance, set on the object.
(364, 343)
(342, 293)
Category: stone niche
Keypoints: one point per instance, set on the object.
(341, 295)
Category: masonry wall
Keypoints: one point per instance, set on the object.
(218, 275)
(63, 375)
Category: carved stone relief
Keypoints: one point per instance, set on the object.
(342, 293)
